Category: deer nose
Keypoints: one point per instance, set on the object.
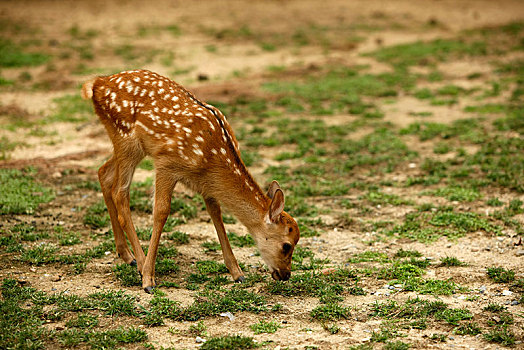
(281, 275)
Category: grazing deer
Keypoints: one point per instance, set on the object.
(190, 142)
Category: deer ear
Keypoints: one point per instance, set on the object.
(273, 187)
(277, 205)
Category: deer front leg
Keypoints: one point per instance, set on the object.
(213, 208)
(164, 185)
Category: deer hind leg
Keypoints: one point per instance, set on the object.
(213, 208)
(106, 176)
(125, 168)
(164, 186)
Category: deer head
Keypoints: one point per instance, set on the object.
(278, 236)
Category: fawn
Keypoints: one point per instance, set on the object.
(190, 142)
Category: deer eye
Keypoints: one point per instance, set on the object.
(290, 229)
(286, 248)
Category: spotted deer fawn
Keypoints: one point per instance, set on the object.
(190, 142)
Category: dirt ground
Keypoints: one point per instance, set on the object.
(229, 68)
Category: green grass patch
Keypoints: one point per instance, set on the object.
(369, 256)
(501, 161)
(429, 226)
(83, 321)
(210, 267)
(401, 253)
(179, 237)
(401, 270)
(501, 275)
(338, 89)
(501, 335)
(22, 317)
(455, 193)
(14, 55)
(330, 312)
(381, 198)
(165, 266)
(493, 307)
(70, 108)
(21, 194)
(328, 287)
(40, 255)
(432, 286)
(240, 241)
(210, 303)
(6, 146)
(229, 342)
(417, 309)
(211, 246)
(428, 53)
(97, 216)
(69, 238)
(465, 129)
(451, 261)
(468, 328)
(127, 275)
(397, 345)
(265, 327)
(102, 339)
(382, 146)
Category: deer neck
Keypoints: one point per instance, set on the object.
(244, 199)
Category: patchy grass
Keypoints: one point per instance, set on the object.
(451, 261)
(229, 342)
(97, 216)
(265, 327)
(329, 134)
(501, 275)
(21, 194)
(14, 55)
(70, 108)
(428, 53)
(429, 226)
(501, 335)
(330, 312)
(338, 89)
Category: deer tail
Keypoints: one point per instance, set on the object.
(87, 89)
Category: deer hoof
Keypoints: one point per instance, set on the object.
(241, 279)
(133, 263)
(149, 290)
